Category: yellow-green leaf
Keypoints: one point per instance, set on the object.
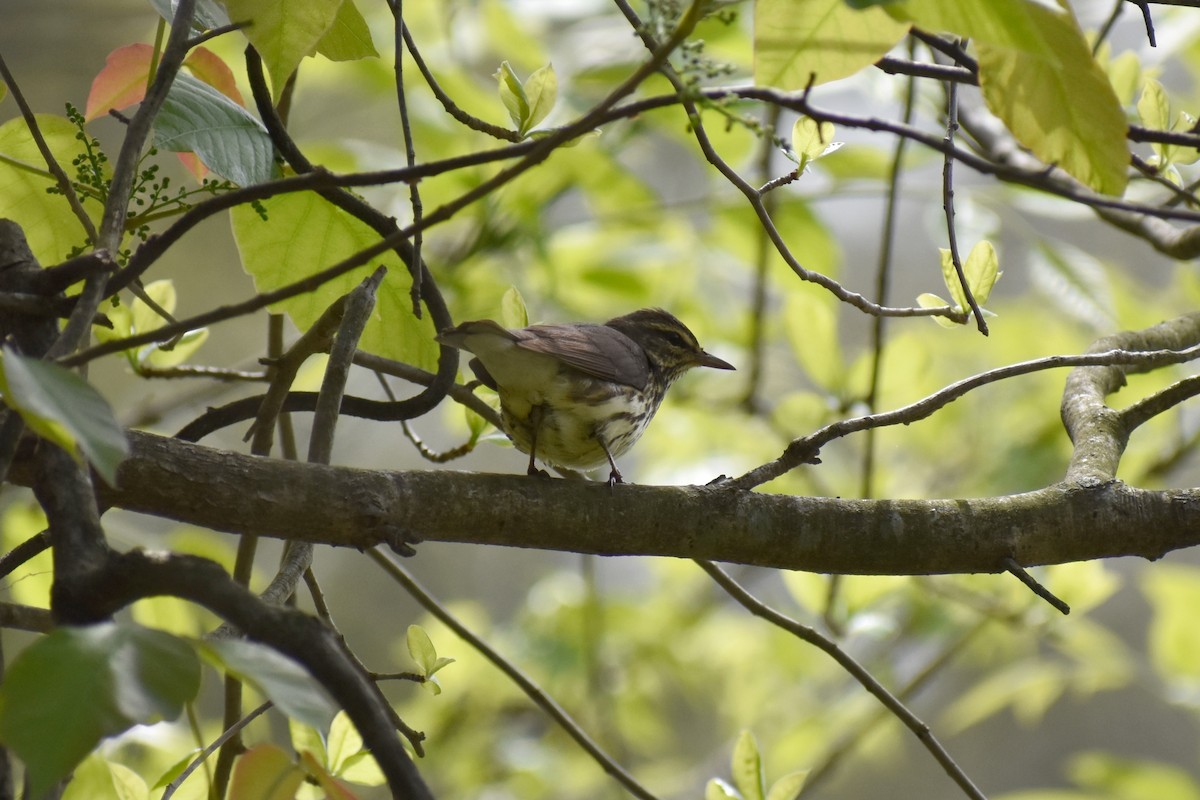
(811, 140)
(788, 787)
(512, 94)
(284, 31)
(746, 767)
(349, 38)
(1034, 65)
(796, 39)
(513, 313)
(421, 648)
(304, 234)
(541, 92)
(50, 227)
(928, 300)
(982, 270)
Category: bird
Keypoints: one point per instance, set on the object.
(578, 394)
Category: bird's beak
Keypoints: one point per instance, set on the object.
(709, 360)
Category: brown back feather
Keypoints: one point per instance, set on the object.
(598, 350)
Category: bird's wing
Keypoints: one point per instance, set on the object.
(598, 350)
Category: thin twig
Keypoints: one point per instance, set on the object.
(1035, 586)
(64, 183)
(856, 671)
(526, 684)
(229, 732)
(804, 450)
(948, 206)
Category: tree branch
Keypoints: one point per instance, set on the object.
(358, 508)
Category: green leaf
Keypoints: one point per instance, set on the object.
(512, 94)
(343, 756)
(277, 677)
(927, 300)
(62, 407)
(541, 92)
(305, 234)
(812, 140)
(227, 138)
(717, 789)
(70, 689)
(156, 356)
(1154, 110)
(284, 31)
(746, 767)
(421, 648)
(97, 779)
(349, 38)
(1153, 107)
(950, 278)
(982, 270)
(788, 787)
(51, 228)
(1034, 65)
(513, 313)
(797, 39)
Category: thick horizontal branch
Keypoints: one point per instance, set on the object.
(349, 507)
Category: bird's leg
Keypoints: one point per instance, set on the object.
(535, 419)
(614, 477)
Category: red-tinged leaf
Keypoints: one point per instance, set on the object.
(192, 163)
(334, 789)
(212, 69)
(265, 772)
(122, 82)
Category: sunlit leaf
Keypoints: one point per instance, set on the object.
(421, 648)
(349, 38)
(788, 787)
(982, 270)
(823, 40)
(512, 95)
(98, 779)
(122, 81)
(541, 93)
(305, 234)
(746, 767)
(50, 227)
(1034, 65)
(284, 31)
(513, 313)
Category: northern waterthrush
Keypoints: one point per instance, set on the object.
(577, 395)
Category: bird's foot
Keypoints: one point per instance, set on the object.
(614, 478)
(538, 473)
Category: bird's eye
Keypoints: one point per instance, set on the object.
(675, 339)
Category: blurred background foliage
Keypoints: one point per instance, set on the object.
(648, 654)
